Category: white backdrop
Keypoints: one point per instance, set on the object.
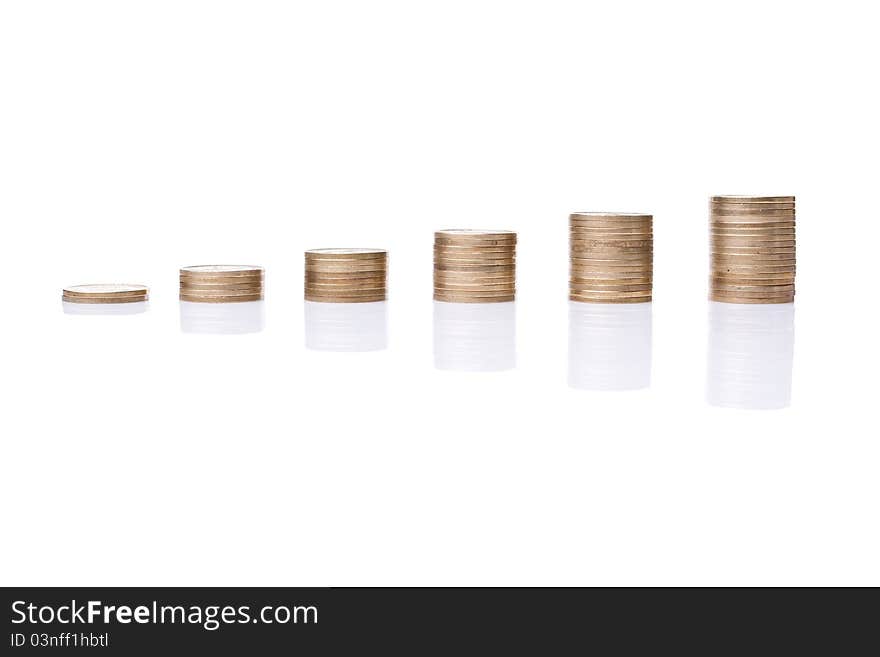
(136, 137)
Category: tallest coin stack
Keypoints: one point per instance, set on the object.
(752, 249)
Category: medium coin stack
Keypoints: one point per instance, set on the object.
(612, 257)
(221, 283)
(474, 266)
(346, 275)
(105, 293)
(752, 249)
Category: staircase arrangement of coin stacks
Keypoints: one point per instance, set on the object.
(612, 257)
(221, 283)
(105, 293)
(752, 249)
(474, 266)
(346, 275)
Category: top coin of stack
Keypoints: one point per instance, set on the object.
(612, 257)
(752, 249)
(105, 293)
(346, 275)
(221, 283)
(474, 266)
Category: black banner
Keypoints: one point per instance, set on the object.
(135, 621)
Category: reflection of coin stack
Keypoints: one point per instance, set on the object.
(609, 346)
(346, 275)
(221, 283)
(612, 257)
(475, 337)
(109, 293)
(751, 351)
(752, 247)
(474, 266)
(346, 326)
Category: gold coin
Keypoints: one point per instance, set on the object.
(221, 270)
(105, 289)
(753, 239)
(465, 287)
(606, 253)
(779, 297)
(776, 215)
(779, 236)
(587, 271)
(475, 268)
(457, 298)
(723, 249)
(103, 299)
(475, 247)
(785, 259)
(599, 232)
(616, 243)
(750, 207)
(751, 223)
(490, 258)
(255, 285)
(610, 216)
(619, 297)
(331, 299)
(771, 279)
(466, 235)
(342, 276)
(745, 301)
(751, 199)
(220, 299)
(357, 254)
(450, 273)
(630, 279)
(348, 269)
(635, 287)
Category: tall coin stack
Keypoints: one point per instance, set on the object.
(346, 275)
(752, 249)
(474, 266)
(612, 257)
(221, 283)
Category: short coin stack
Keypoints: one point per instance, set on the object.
(346, 275)
(474, 266)
(612, 257)
(221, 283)
(752, 249)
(105, 293)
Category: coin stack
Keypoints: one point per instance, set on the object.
(752, 249)
(221, 283)
(105, 293)
(346, 275)
(612, 257)
(474, 266)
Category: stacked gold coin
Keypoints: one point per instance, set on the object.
(752, 249)
(474, 266)
(612, 257)
(346, 275)
(221, 283)
(105, 293)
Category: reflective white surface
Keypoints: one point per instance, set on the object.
(135, 308)
(475, 337)
(222, 318)
(751, 353)
(346, 326)
(609, 346)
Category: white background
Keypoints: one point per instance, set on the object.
(136, 137)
